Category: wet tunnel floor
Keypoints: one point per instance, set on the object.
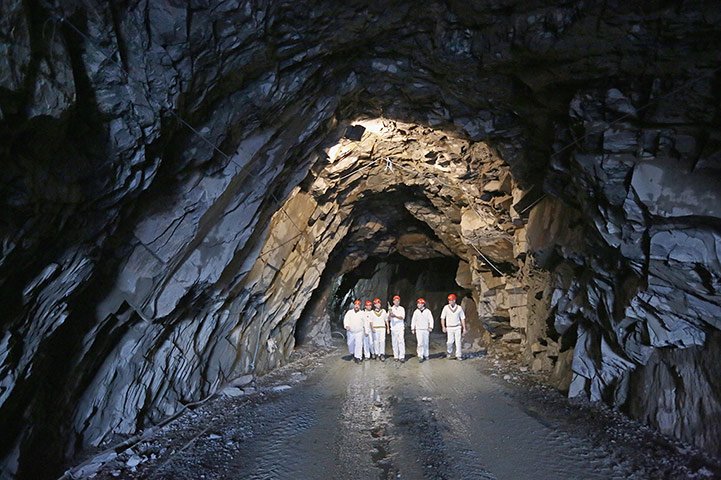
(442, 419)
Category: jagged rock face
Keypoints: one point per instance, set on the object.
(144, 262)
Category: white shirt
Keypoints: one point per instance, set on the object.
(397, 323)
(355, 320)
(378, 319)
(422, 320)
(453, 317)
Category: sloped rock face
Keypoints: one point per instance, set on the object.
(146, 259)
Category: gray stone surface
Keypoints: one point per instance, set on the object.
(141, 269)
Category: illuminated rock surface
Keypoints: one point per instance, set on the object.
(566, 157)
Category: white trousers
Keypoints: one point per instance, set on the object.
(368, 345)
(422, 337)
(355, 343)
(399, 343)
(454, 336)
(379, 341)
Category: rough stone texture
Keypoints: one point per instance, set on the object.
(141, 268)
(669, 383)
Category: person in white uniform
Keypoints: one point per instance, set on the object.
(453, 322)
(421, 325)
(396, 317)
(368, 340)
(379, 327)
(354, 322)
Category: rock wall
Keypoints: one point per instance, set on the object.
(148, 150)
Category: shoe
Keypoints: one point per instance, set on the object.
(356, 360)
(449, 356)
(383, 358)
(420, 359)
(459, 358)
(403, 360)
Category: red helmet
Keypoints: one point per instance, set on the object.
(377, 300)
(357, 302)
(451, 297)
(368, 303)
(396, 296)
(420, 300)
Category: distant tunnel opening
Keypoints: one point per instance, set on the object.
(431, 278)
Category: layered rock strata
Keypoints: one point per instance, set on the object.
(149, 149)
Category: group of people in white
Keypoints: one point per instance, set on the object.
(367, 329)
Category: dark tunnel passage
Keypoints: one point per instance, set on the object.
(194, 194)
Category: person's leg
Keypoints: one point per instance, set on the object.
(425, 343)
(458, 342)
(381, 336)
(449, 341)
(402, 344)
(419, 339)
(396, 344)
(358, 343)
(350, 340)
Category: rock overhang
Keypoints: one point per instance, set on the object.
(528, 81)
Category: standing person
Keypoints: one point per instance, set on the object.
(368, 351)
(421, 325)
(452, 319)
(354, 322)
(397, 315)
(379, 327)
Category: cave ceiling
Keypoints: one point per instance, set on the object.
(178, 179)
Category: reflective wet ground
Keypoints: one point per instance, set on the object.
(441, 419)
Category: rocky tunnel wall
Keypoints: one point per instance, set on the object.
(149, 148)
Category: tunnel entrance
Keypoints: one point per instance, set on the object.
(429, 213)
(433, 279)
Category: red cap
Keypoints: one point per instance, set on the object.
(451, 297)
(368, 302)
(396, 296)
(377, 300)
(357, 302)
(420, 300)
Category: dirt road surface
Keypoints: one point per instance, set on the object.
(326, 417)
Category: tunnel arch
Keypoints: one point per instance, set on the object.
(130, 265)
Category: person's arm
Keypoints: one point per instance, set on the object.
(413, 322)
(463, 320)
(430, 321)
(443, 320)
(345, 322)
